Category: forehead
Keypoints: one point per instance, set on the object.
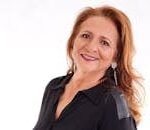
(100, 26)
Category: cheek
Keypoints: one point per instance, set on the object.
(77, 46)
(75, 49)
(107, 55)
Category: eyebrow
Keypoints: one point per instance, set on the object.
(106, 38)
(86, 32)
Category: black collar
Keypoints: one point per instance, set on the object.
(94, 93)
(60, 82)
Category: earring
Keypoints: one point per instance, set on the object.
(114, 66)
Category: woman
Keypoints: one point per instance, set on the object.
(98, 91)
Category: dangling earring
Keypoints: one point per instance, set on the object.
(114, 66)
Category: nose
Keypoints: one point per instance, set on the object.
(92, 45)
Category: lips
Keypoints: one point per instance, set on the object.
(88, 57)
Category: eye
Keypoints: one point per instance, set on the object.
(104, 42)
(85, 35)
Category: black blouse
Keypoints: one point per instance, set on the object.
(101, 107)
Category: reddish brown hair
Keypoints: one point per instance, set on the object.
(125, 48)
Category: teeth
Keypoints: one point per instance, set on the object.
(87, 57)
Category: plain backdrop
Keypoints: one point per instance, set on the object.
(33, 37)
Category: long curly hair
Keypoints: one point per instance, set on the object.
(128, 78)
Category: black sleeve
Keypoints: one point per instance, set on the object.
(115, 119)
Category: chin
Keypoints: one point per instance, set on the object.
(88, 69)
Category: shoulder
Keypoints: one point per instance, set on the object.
(116, 115)
(116, 104)
(59, 82)
(55, 81)
(52, 84)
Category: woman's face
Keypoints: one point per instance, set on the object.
(95, 45)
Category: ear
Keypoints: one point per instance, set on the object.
(71, 52)
(114, 60)
(116, 55)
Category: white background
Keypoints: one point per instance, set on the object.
(33, 37)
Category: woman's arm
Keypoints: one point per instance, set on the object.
(116, 114)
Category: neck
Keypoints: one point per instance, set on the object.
(82, 79)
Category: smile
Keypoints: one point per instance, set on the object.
(88, 57)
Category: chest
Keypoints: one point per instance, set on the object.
(76, 113)
(64, 100)
(71, 111)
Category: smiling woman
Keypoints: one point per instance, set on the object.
(95, 45)
(98, 92)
